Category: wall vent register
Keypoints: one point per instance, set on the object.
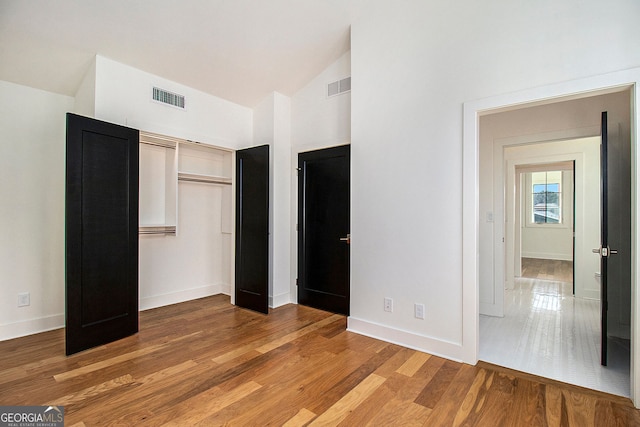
(170, 98)
(339, 86)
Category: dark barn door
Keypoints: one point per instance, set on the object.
(252, 228)
(101, 233)
(323, 229)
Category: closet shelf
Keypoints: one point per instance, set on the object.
(209, 179)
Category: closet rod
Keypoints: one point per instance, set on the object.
(206, 181)
(157, 230)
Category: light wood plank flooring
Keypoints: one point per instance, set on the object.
(547, 269)
(206, 362)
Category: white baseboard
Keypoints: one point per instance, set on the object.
(225, 289)
(31, 326)
(491, 310)
(181, 296)
(588, 293)
(544, 255)
(448, 350)
(43, 324)
(279, 300)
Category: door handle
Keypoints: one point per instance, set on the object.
(346, 239)
(605, 252)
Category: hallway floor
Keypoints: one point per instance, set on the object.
(548, 332)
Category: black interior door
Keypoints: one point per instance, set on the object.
(604, 237)
(323, 229)
(101, 233)
(252, 229)
(573, 228)
(615, 246)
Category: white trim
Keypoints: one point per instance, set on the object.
(492, 309)
(276, 301)
(587, 87)
(548, 255)
(543, 225)
(441, 348)
(513, 162)
(31, 326)
(42, 324)
(225, 289)
(181, 296)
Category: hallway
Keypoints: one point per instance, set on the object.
(548, 332)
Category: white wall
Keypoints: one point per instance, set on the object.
(414, 64)
(283, 225)
(32, 182)
(272, 125)
(32, 130)
(123, 96)
(192, 264)
(120, 94)
(195, 262)
(319, 121)
(85, 98)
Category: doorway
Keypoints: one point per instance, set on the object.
(323, 229)
(544, 304)
(545, 222)
(545, 229)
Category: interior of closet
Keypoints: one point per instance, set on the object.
(186, 222)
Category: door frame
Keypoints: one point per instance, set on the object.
(519, 208)
(295, 151)
(504, 265)
(582, 258)
(472, 110)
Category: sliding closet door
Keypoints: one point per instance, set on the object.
(101, 233)
(252, 228)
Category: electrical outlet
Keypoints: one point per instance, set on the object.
(388, 304)
(419, 311)
(24, 299)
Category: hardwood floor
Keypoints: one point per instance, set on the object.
(547, 269)
(546, 331)
(206, 362)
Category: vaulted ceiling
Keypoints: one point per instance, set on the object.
(239, 50)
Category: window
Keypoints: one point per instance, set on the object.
(546, 197)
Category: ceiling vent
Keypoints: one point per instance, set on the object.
(169, 98)
(338, 87)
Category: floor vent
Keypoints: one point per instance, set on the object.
(167, 97)
(338, 87)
